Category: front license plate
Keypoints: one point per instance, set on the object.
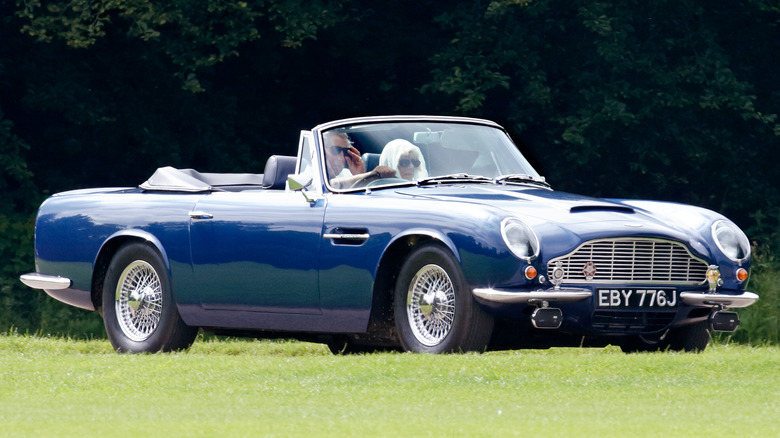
(636, 298)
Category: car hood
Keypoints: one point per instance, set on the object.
(572, 219)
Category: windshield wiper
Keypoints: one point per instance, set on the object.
(452, 177)
(521, 178)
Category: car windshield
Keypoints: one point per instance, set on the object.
(396, 153)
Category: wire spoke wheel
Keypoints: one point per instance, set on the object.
(139, 300)
(430, 305)
(433, 308)
(139, 310)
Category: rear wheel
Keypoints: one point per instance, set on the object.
(139, 313)
(434, 310)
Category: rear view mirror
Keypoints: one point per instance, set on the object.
(426, 137)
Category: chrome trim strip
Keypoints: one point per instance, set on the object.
(47, 282)
(405, 118)
(716, 300)
(346, 236)
(564, 295)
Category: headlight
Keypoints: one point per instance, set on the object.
(731, 240)
(520, 239)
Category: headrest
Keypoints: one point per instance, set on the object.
(277, 169)
(370, 160)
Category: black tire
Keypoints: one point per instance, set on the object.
(643, 343)
(692, 338)
(433, 307)
(139, 313)
(342, 346)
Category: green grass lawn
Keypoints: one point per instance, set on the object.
(58, 387)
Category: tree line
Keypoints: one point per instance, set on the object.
(670, 100)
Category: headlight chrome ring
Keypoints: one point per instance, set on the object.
(731, 241)
(520, 239)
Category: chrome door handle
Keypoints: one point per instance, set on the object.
(200, 215)
(347, 236)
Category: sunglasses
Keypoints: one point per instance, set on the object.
(405, 162)
(335, 150)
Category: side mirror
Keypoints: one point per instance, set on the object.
(299, 183)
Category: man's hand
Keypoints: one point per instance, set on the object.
(355, 164)
(384, 171)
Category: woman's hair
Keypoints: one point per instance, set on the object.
(396, 149)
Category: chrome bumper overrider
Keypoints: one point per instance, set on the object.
(562, 295)
(46, 282)
(718, 300)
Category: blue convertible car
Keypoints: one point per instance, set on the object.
(425, 234)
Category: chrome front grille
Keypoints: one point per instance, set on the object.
(630, 260)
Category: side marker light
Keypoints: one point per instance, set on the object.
(742, 274)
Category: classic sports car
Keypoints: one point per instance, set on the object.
(425, 234)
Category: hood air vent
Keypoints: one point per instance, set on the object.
(589, 208)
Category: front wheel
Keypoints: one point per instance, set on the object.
(139, 313)
(690, 338)
(693, 337)
(645, 343)
(433, 307)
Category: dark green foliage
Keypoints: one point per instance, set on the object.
(666, 100)
(761, 321)
(672, 100)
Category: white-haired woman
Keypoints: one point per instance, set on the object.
(406, 158)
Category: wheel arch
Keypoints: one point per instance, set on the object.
(390, 264)
(109, 249)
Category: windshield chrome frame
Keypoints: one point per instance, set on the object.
(318, 131)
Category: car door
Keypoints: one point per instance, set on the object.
(257, 251)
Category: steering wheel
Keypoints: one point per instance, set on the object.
(365, 179)
(386, 181)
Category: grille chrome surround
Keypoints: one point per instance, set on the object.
(632, 261)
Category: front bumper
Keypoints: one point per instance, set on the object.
(572, 294)
(713, 299)
(562, 295)
(577, 308)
